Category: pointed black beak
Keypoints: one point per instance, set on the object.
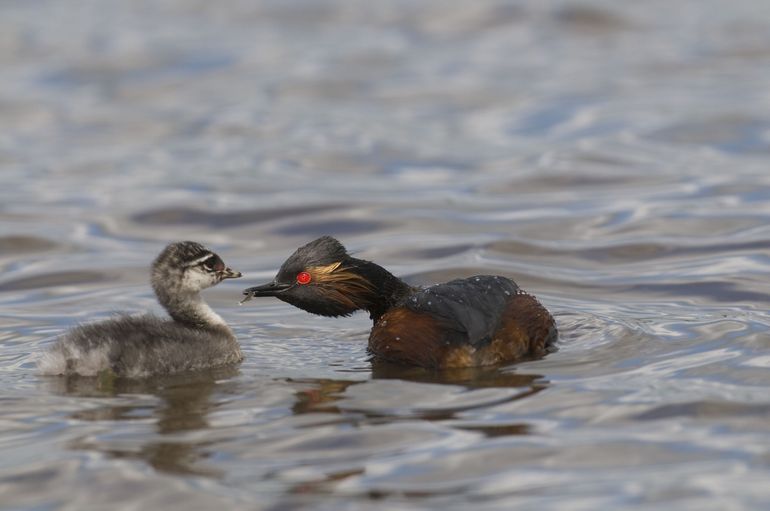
(270, 289)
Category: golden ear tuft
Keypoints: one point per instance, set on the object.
(343, 285)
(321, 272)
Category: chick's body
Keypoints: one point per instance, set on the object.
(138, 346)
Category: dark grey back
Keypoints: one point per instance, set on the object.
(471, 307)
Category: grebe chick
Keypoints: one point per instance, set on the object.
(139, 346)
(478, 321)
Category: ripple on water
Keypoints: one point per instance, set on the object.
(706, 410)
(339, 227)
(218, 220)
(14, 245)
(729, 133)
(64, 278)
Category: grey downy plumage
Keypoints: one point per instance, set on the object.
(195, 337)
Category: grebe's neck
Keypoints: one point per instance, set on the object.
(387, 289)
(189, 309)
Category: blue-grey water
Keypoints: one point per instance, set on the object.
(611, 157)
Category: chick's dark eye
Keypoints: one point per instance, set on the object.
(214, 263)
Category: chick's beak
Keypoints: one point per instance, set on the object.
(229, 273)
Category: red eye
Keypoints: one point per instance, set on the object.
(303, 277)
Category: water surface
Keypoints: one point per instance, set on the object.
(610, 158)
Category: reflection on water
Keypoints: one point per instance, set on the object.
(182, 406)
(609, 159)
(403, 391)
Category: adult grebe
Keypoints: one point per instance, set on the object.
(482, 320)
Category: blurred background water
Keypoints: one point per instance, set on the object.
(610, 157)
